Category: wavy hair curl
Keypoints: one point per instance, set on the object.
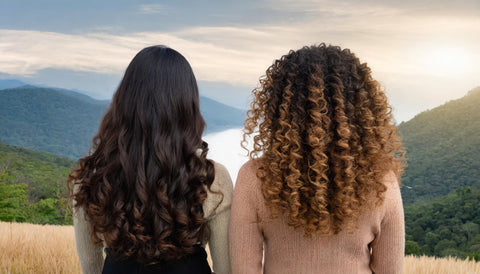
(143, 186)
(324, 138)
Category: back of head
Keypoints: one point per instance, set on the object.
(143, 185)
(326, 135)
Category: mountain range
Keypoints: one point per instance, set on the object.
(63, 122)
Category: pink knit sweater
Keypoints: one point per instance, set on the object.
(376, 246)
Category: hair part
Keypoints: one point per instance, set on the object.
(324, 136)
(143, 185)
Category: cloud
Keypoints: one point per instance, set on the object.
(26, 52)
(404, 50)
(374, 7)
(239, 55)
(152, 8)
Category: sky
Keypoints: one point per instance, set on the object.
(424, 53)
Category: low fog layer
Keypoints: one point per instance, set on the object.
(224, 147)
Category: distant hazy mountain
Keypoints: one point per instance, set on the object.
(11, 83)
(219, 116)
(63, 122)
(443, 149)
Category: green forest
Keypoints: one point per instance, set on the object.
(446, 226)
(441, 185)
(443, 149)
(63, 122)
(33, 186)
(52, 120)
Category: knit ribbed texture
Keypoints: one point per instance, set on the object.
(216, 211)
(91, 256)
(377, 245)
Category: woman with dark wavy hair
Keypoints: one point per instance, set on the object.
(321, 191)
(147, 192)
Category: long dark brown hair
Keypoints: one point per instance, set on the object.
(326, 137)
(143, 186)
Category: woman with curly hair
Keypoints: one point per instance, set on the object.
(147, 192)
(321, 191)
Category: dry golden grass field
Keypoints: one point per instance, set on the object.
(28, 248)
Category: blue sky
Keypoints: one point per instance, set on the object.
(423, 52)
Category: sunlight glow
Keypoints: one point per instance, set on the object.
(447, 61)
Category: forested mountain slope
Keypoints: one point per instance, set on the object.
(446, 226)
(33, 186)
(443, 149)
(64, 122)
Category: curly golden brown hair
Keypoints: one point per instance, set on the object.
(143, 186)
(324, 137)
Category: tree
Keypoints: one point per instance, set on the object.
(13, 200)
(412, 248)
(46, 212)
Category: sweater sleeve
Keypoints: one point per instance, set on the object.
(218, 211)
(246, 238)
(91, 256)
(388, 246)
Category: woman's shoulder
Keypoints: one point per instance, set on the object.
(392, 198)
(248, 185)
(392, 183)
(219, 195)
(248, 172)
(222, 181)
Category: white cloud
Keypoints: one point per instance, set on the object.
(239, 55)
(395, 43)
(151, 8)
(26, 52)
(374, 7)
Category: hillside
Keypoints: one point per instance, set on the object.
(46, 119)
(63, 122)
(11, 83)
(33, 186)
(219, 116)
(447, 226)
(443, 149)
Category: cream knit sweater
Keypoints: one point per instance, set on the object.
(216, 211)
(376, 246)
